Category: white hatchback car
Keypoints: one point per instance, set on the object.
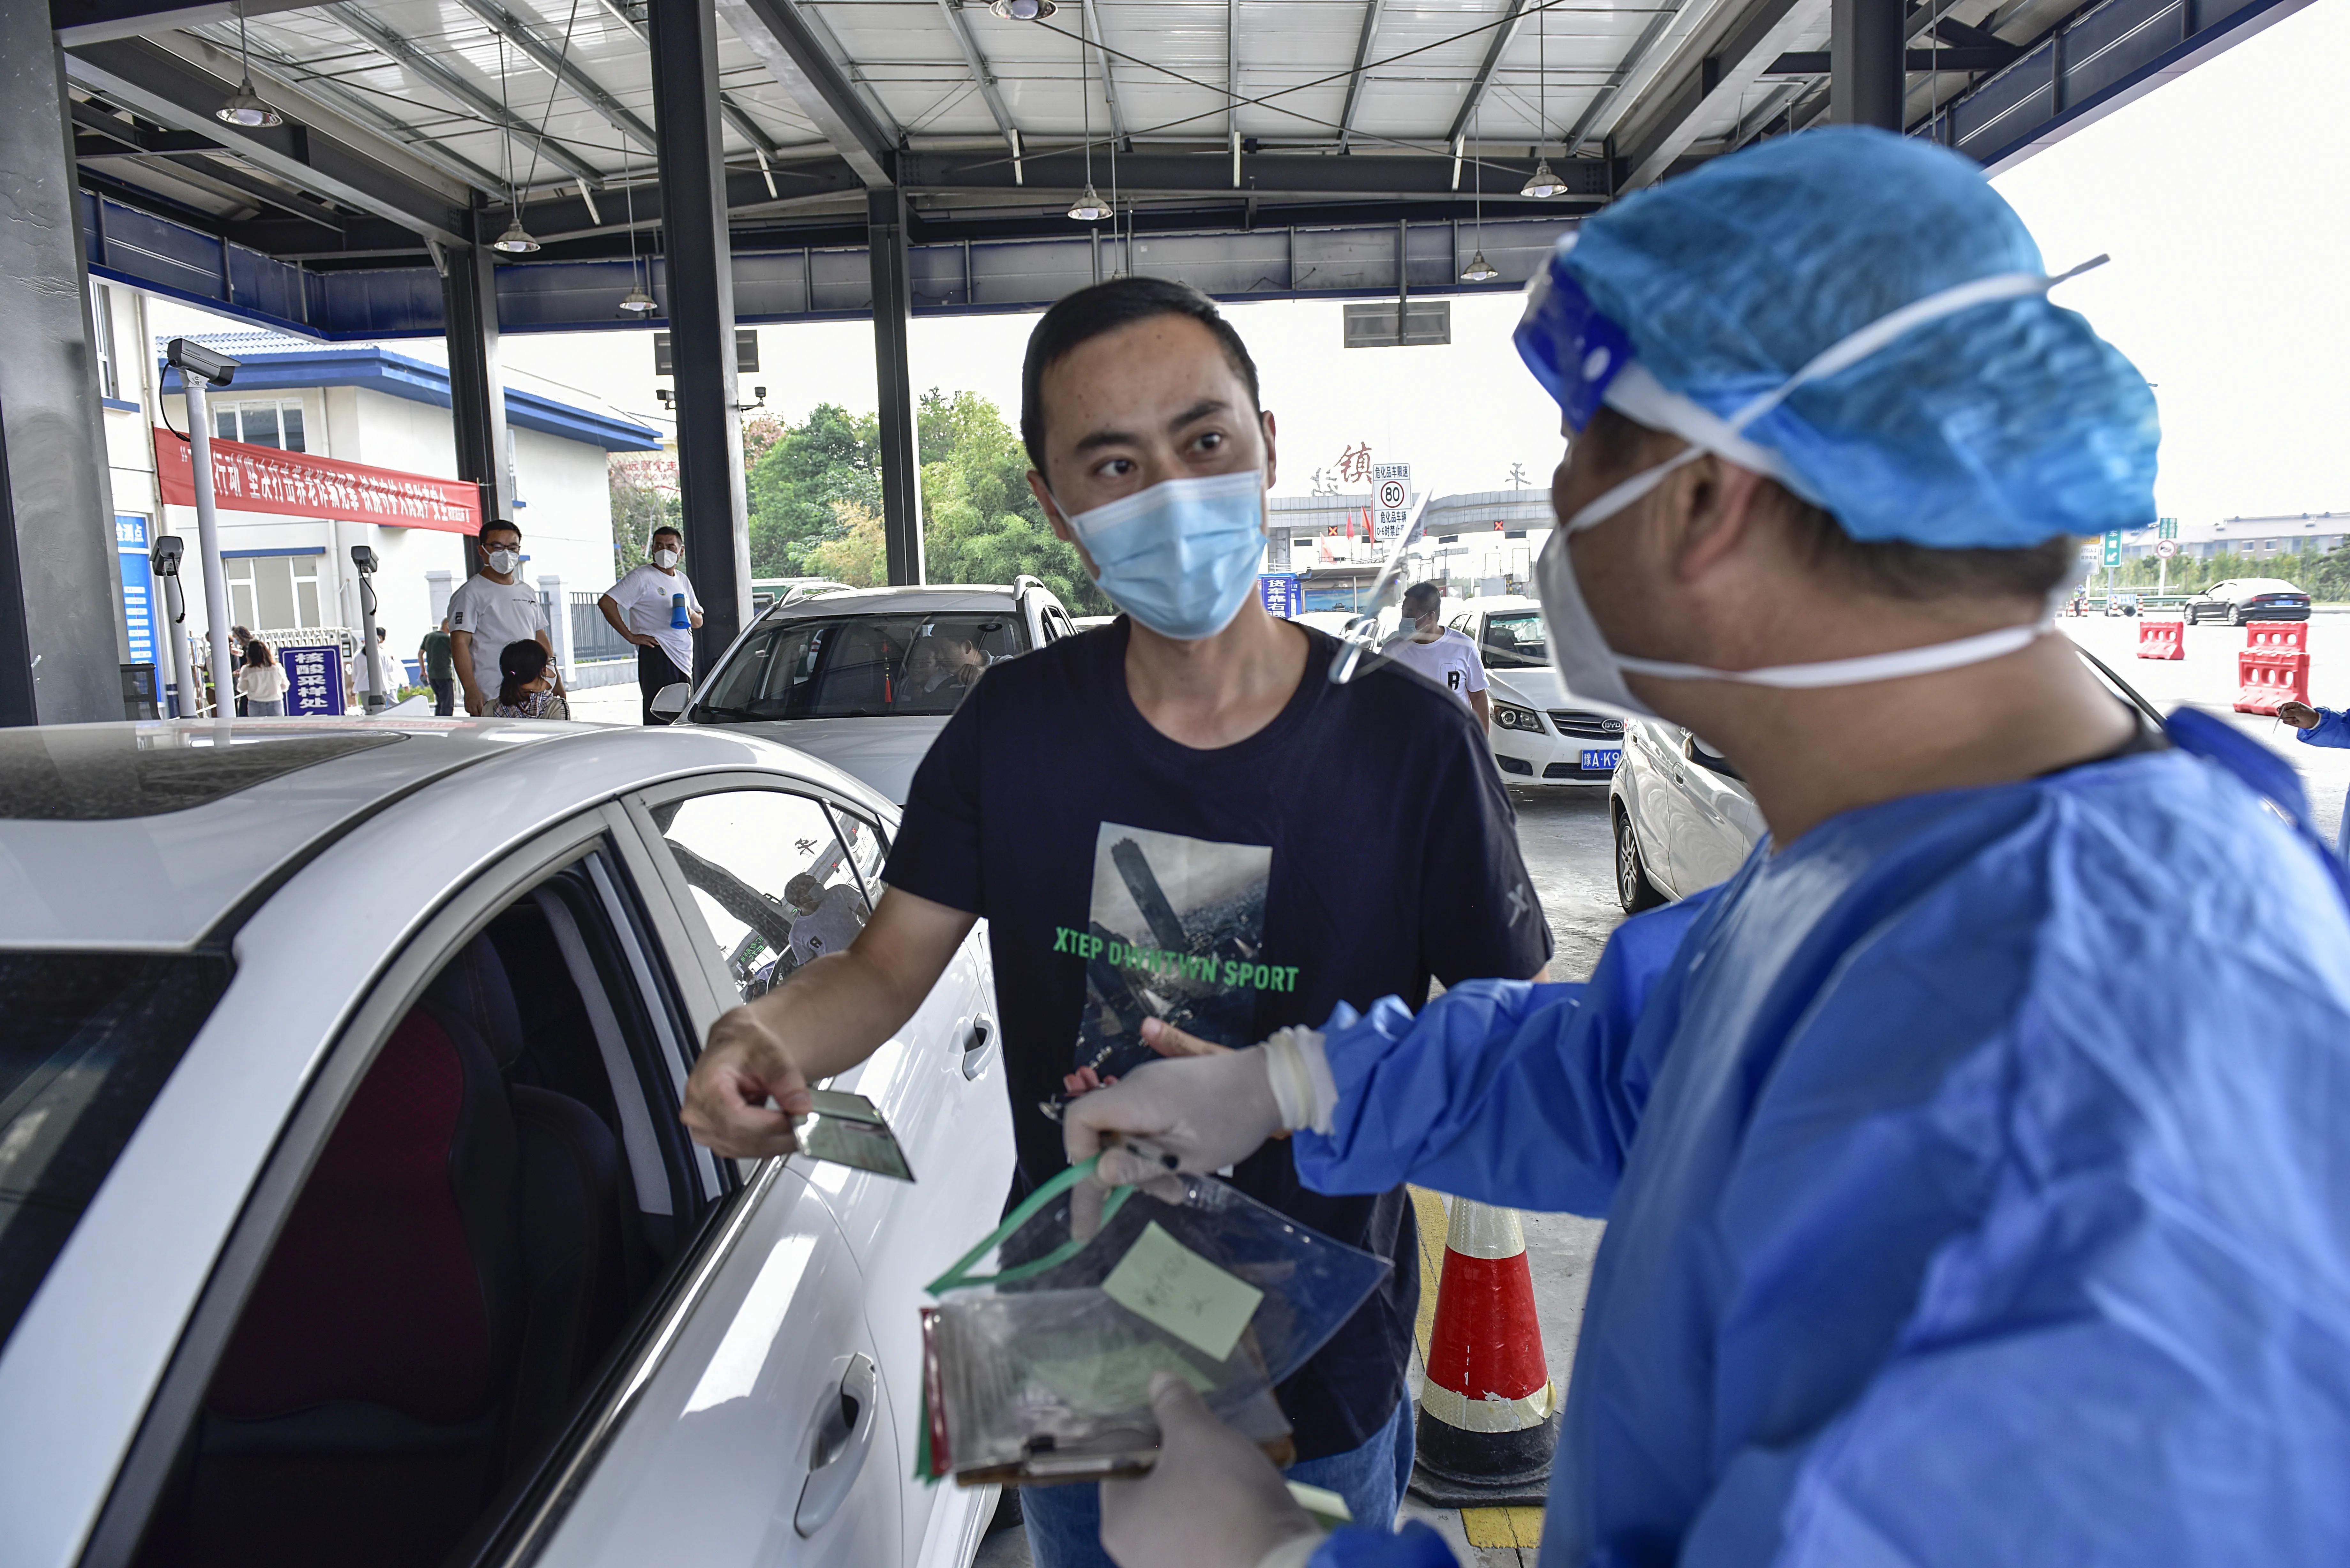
(1538, 737)
(345, 1214)
(866, 677)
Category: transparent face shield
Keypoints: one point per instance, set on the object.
(1365, 646)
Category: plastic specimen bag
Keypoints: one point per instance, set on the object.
(1037, 1360)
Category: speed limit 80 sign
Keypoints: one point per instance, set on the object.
(1392, 495)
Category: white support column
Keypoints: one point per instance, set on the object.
(559, 624)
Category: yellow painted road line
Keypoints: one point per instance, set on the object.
(1427, 1208)
(1495, 1527)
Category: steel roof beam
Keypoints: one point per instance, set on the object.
(733, 112)
(1503, 37)
(1147, 174)
(1757, 35)
(1634, 59)
(390, 45)
(148, 80)
(201, 168)
(79, 22)
(1362, 58)
(557, 62)
(788, 46)
(981, 72)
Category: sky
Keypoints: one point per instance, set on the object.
(2223, 198)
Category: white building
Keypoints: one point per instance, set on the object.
(362, 403)
(2259, 538)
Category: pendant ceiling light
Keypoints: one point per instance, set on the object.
(1478, 269)
(1023, 10)
(1541, 182)
(516, 241)
(636, 302)
(1087, 208)
(245, 105)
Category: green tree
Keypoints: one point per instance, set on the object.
(981, 523)
(858, 556)
(799, 480)
(643, 489)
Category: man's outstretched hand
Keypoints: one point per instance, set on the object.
(1213, 1501)
(745, 1065)
(2300, 715)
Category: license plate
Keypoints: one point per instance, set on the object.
(1602, 761)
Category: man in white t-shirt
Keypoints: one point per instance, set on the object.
(1442, 654)
(642, 607)
(490, 610)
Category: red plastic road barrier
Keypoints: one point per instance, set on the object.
(2266, 680)
(1488, 1411)
(2277, 635)
(2161, 639)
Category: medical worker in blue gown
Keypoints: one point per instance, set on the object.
(1977, 1160)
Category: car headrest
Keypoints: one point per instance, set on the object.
(473, 988)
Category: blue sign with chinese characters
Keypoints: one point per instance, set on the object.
(1280, 592)
(138, 588)
(313, 678)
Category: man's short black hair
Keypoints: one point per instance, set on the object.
(672, 532)
(1423, 594)
(1078, 319)
(499, 524)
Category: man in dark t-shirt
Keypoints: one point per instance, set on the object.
(1182, 836)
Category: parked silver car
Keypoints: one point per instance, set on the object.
(1682, 819)
(345, 1215)
(866, 678)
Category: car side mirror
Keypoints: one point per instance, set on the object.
(670, 699)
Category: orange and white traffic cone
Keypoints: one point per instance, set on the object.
(1488, 1411)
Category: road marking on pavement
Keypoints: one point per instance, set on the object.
(1501, 1527)
(1427, 1208)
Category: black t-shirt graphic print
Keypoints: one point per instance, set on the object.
(1388, 855)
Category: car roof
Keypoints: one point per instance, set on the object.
(921, 600)
(140, 835)
(1502, 602)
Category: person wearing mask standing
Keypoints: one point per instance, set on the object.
(490, 610)
(1442, 654)
(643, 608)
(1169, 779)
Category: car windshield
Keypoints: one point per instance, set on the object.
(1515, 641)
(860, 667)
(92, 1036)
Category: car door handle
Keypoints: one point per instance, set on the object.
(974, 1047)
(840, 1437)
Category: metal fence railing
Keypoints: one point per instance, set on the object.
(592, 637)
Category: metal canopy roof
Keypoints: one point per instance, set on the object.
(1206, 114)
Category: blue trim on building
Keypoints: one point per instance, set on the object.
(297, 550)
(396, 375)
(118, 405)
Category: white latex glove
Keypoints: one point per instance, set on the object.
(1201, 1112)
(1213, 1501)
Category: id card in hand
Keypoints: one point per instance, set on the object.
(845, 1129)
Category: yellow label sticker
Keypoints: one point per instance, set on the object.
(1166, 1283)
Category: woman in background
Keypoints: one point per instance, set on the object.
(261, 682)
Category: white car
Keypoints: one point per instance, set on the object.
(345, 1214)
(1682, 818)
(866, 677)
(1538, 736)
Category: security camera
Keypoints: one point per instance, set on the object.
(165, 554)
(196, 359)
(363, 558)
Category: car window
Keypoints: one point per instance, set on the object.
(775, 882)
(858, 667)
(502, 1191)
(91, 1038)
(1517, 640)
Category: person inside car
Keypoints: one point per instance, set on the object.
(1190, 778)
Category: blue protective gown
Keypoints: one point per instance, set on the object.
(2331, 729)
(1978, 1179)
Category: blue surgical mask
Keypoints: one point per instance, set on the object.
(1181, 557)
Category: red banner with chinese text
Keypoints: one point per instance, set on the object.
(247, 478)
